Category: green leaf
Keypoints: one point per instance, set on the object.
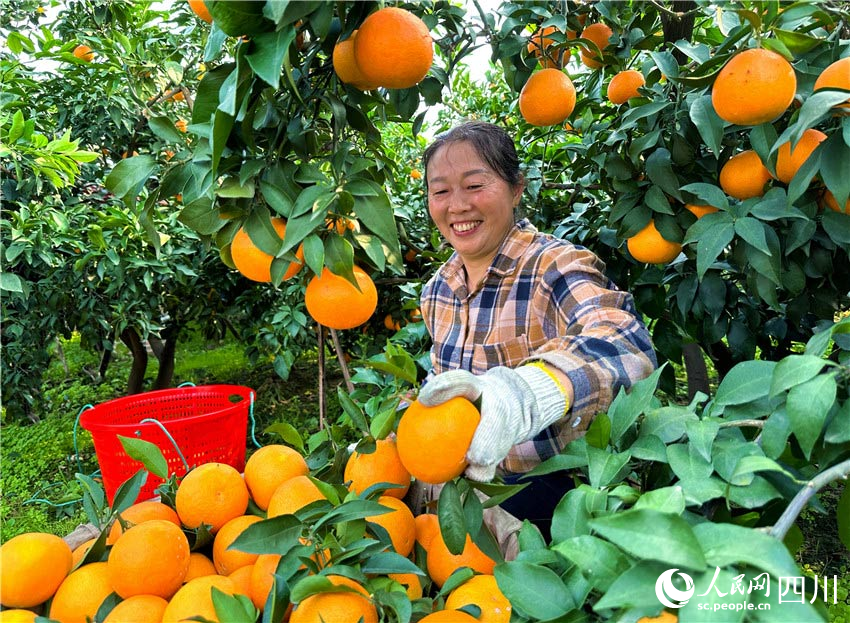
(604, 467)
(128, 491)
(352, 410)
(834, 175)
(351, 510)
(164, 128)
(10, 282)
(708, 123)
(452, 522)
(665, 500)
(267, 54)
(797, 42)
(659, 169)
(535, 591)
(627, 406)
(722, 544)
(687, 463)
(382, 424)
(745, 382)
(389, 562)
(807, 406)
(376, 214)
(793, 370)
(16, 130)
(667, 423)
(701, 434)
(129, 176)
(635, 588)
(712, 233)
(838, 430)
(708, 193)
(287, 433)
(652, 535)
(599, 561)
(233, 607)
(232, 189)
(599, 433)
(571, 517)
(753, 231)
(147, 453)
(276, 535)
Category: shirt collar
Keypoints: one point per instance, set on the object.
(512, 248)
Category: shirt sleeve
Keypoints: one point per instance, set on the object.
(601, 343)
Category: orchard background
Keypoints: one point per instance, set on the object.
(128, 167)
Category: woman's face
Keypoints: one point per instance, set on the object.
(471, 205)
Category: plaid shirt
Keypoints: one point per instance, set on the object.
(541, 299)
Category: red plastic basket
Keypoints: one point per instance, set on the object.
(208, 423)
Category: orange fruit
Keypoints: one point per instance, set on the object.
(84, 52)
(649, 247)
(442, 563)
(32, 566)
(540, 42)
(837, 75)
(393, 48)
(755, 86)
(138, 609)
(427, 527)
(293, 495)
(242, 579)
(17, 615)
(200, 9)
(345, 65)
(181, 125)
(482, 591)
(448, 616)
(81, 593)
(256, 264)
(547, 98)
(744, 175)
(80, 552)
(664, 617)
(262, 578)
(411, 583)
(199, 565)
(832, 203)
(432, 441)
(341, 224)
(415, 174)
(150, 558)
(347, 607)
(335, 302)
(599, 34)
(391, 324)
(226, 560)
(700, 210)
(399, 523)
(789, 161)
(141, 512)
(624, 86)
(268, 468)
(382, 465)
(195, 599)
(212, 493)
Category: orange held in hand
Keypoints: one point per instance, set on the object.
(333, 301)
(432, 441)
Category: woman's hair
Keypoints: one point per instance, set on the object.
(491, 142)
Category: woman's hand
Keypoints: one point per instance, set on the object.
(515, 406)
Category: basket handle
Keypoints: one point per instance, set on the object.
(253, 421)
(170, 438)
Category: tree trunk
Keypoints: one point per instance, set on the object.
(131, 339)
(678, 23)
(105, 359)
(696, 370)
(157, 346)
(167, 349)
(60, 353)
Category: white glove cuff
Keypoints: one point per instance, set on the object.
(550, 398)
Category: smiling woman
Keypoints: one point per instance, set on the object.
(525, 322)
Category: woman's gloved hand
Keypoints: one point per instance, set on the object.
(515, 406)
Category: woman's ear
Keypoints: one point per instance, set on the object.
(520, 186)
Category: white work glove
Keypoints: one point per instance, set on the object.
(515, 406)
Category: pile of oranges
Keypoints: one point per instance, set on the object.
(155, 567)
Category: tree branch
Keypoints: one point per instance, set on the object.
(789, 516)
